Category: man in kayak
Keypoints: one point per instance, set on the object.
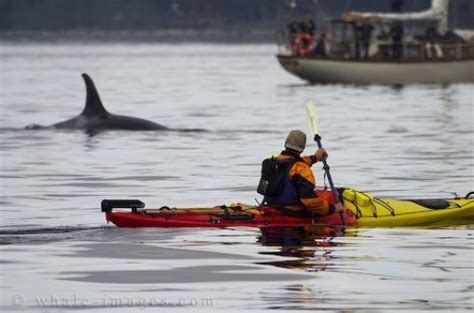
(288, 181)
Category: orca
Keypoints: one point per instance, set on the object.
(95, 117)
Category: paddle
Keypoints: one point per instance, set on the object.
(313, 122)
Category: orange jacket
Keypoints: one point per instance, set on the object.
(303, 179)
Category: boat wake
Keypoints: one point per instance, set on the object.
(48, 234)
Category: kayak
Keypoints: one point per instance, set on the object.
(221, 217)
(361, 210)
(388, 212)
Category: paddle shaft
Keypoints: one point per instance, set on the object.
(313, 125)
(335, 195)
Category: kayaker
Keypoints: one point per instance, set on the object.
(288, 181)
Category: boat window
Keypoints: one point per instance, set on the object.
(342, 31)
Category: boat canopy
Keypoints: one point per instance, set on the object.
(438, 11)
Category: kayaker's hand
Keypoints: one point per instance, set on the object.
(338, 208)
(321, 154)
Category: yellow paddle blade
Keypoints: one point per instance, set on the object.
(312, 116)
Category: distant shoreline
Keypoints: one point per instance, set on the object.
(148, 36)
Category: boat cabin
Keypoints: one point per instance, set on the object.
(343, 42)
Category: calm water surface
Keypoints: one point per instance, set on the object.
(58, 254)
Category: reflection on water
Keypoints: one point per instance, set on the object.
(414, 141)
(289, 268)
(307, 244)
(365, 270)
(41, 235)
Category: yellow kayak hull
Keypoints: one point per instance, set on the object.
(377, 212)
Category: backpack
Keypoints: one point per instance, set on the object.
(273, 174)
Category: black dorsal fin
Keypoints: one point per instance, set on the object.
(93, 106)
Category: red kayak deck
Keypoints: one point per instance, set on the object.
(268, 217)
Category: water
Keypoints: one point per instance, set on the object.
(58, 253)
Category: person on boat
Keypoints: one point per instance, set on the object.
(358, 39)
(363, 37)
(396, 32)
(293, 30)
(287, 179)
(431, 43)
(366, 30)
(308, 26)
(304, 41)
(321, 47)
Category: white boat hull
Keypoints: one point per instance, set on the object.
(367, 72)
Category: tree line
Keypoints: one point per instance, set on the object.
(59, 15)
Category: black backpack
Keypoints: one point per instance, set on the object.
(273, 173)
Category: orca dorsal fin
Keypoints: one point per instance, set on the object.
(93, 106)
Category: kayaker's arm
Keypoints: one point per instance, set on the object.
(310, 159)
(321, 154)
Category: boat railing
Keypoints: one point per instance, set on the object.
(412, 51)
(418, 52)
